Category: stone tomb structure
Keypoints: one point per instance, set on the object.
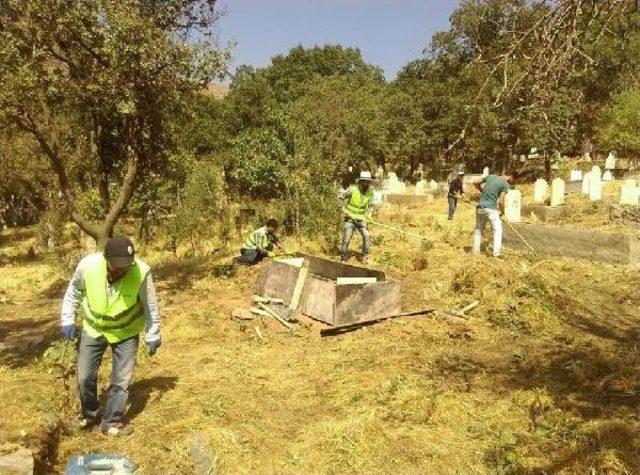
(328, 291)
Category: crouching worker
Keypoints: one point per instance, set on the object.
(260, 243)
(118, 302)
(357, 207)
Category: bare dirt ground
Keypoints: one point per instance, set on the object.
(541, 378)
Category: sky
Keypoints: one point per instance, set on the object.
(390, 33)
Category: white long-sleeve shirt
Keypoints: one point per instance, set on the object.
(147, 295)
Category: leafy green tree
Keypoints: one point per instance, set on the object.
(96, 85)
(619, 122)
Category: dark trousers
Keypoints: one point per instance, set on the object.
(253, 256)
(453, 204)
(123, 362)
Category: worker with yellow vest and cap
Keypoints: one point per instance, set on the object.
(118, 299)
(260, 243)
(357, 206)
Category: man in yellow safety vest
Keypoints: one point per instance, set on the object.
(260, 243)
(357, 207)
(118, 301)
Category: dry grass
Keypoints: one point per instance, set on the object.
(541, 378)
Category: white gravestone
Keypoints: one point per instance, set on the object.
(595, 184)
(540, 190)
(393, 185)
(512, 204)
(421, 186)
(586, 179)
(485, 171)
(576, 175)
(377, 198)
(607, 176)
(610, 162)
(557, 192)
(629, 193)
(433, 185)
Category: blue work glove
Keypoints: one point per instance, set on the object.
(152, 346)
(69, 331)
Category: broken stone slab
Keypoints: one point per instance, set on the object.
(19, 462)
(601, 246)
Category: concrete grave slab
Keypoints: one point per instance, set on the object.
(610, 247)
(547, 214)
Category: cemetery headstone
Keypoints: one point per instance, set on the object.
(433, 185)
(540, 190)
(629, 193)
(595, 184)
(393, 185)
(610, 162)
(576, 175)
(512, 205)
(557, 192)
(485, 171)
(586, 179)
(607, 175)
(421, 187)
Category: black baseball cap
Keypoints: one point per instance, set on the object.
(119, 252)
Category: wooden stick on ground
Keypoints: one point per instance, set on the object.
(276, 316)
(352, 326)
(521, 237)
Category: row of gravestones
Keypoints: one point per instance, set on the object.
(591, 185)
(577, 175)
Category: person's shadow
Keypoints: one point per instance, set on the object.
(140, 391)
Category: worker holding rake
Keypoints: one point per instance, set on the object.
(118, 301)
(357, 206)
(493, 189)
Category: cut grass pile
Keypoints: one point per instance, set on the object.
(541, 377)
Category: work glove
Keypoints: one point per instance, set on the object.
(69, 331)
(152, 346)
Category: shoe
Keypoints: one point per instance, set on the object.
(117, 429)
(84, 422)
